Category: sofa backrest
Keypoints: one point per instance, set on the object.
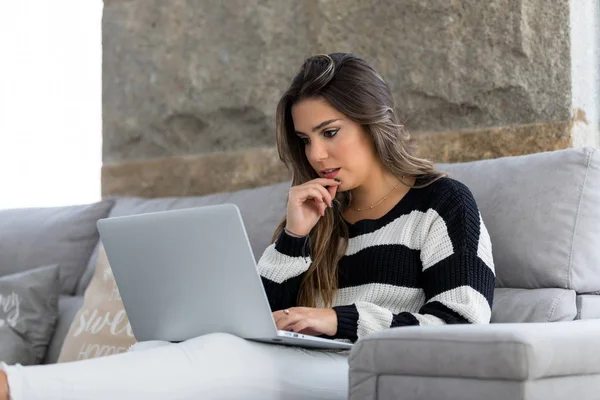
(542, 212)
(32, 237)
(262, 210)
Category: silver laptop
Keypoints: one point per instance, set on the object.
(186, 273)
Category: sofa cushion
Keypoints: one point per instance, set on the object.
(28, 314)
(533, 305)
(67, 308)
(101, 327)
(485, 351)
(59, 235)
(588, 306)
(541, 211)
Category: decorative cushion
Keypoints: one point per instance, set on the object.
(28, 314)
(68, 306)
(101, 327)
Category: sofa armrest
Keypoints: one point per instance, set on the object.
(464, 354)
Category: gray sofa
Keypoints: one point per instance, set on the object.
(542, 214)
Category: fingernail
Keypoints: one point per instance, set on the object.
(337, 180)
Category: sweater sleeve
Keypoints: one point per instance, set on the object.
(282, 267)
(458, 276)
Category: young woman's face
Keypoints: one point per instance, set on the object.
(333, 141)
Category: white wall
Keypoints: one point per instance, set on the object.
(585, 71)
(50, 102)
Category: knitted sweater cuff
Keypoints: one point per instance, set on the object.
(347, 319)
(292, 246)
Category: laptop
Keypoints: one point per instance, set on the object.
(189, 272)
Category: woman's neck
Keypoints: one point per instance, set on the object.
(378, 186)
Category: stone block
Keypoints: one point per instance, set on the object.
(183, 77)
(194, 175)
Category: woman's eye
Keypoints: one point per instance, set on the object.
(330, 133)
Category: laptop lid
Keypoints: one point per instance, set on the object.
(185, 273)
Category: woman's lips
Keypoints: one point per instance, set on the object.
(332, 174)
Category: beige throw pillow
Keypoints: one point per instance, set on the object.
(101, 326)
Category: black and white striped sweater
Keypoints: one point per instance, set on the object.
(427, 261)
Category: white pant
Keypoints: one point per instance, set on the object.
(215, 366)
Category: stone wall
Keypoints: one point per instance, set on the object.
(190, 87)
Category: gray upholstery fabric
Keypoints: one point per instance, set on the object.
(580, 387)
(588, 306)
(41, 236)
(541, 211)
(87, 275)
(67, 309)
(28, 314)
(494, 351)
(533, 305)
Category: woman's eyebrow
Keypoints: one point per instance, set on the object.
(321, 125)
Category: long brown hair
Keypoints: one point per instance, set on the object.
(350, 85)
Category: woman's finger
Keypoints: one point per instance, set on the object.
(285, 324)
(332, 191)
(307, 190)
(280, 322)
(299, 326)
(312, 193)
(325, 182)
(324, 193)
(322, 208)
(280, 315)
(286, 321)
(309, 331)
(277, 315)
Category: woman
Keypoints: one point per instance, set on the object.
(374, 238)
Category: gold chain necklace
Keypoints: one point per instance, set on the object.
(380, 201)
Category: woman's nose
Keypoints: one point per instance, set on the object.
(317, 151)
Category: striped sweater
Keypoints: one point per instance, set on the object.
(427, 261)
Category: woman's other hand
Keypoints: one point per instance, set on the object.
(306, 320)
(4, 395)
